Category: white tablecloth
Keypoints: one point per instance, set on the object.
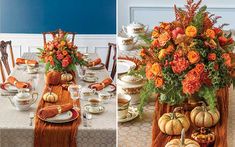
(16, 132)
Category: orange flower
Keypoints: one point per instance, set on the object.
(193, 57)
(212, 57)
(142, 52)
(62, 43)
(155, 43)
(191, 31)
(165, 25)
(179, 65)
(170, 49)
(155, 34)
(156, 69)
(50, 58)
(149, 74)
(159, 82)
(199, 68)
(164, 38)
(162, 54)
(64, 52)
(227, 59)
(210, 33)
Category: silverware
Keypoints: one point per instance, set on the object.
(87, 117)
(31, 117)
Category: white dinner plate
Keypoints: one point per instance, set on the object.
(132, 114)
(124, 66)
(61, 117)
(90, 79)
(9, 88)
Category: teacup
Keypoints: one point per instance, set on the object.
(90, 74)
(94, 102)
(104, 96)
(123, 105)
(86, 93)
(126, 43)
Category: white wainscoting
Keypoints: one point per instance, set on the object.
(86, 43)
(151, 12)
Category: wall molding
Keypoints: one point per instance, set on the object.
(86, 43)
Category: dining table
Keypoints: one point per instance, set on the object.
(138, 132)
(15, 129)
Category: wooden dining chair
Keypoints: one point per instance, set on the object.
(4, 45)
(57, 32)
(111, 48)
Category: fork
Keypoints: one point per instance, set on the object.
(31, 117)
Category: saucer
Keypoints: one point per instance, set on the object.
(90, 79)
(132, 114)
(94, 110)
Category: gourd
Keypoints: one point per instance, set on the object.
(173, 123)
(66, 77)
(53, 78)
(202, 116)
(182, 142)
(204, 136)
(50, 97)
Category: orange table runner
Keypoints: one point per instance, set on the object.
(56, 135)
(160, 139)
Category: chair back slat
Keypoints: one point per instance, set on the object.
(4, 58)
(55, 33)
(111, 48)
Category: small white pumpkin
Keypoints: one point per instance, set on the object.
(50, 97)
(182, 142)
(66, 77)
(202, 116)
(173, 123)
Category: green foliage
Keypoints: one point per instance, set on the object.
(209, 94)
(198, 19)
(138, 72)
(146, 92)
(146, 39)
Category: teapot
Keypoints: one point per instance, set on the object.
(23, 100)
(135, 29)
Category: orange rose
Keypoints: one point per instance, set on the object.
(164, 38)
(199, 68)
(193, 57)
(156, 69)
(227, 59)
(159, 82)
(210, 33)
(212, 57)
(191, 31)
(64, 53)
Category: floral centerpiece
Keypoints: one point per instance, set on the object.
(188, 57)
(61, 54)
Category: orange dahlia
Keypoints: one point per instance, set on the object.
(179, 65)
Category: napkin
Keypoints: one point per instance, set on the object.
(102, 85)
(94, 62)
(25, 61)
(51, 111)
(13, 81)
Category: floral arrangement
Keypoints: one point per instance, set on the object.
(61, 54)
(189, 57)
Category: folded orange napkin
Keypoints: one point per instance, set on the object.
(51, 111)
(13, 81)
(94, 62)
(25, 61)
(102, 85)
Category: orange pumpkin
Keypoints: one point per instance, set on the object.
(53, 78)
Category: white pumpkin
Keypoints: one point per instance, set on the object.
(182, 142)
(66, 77)
(173, 123)
(202, 116)
(50, 97)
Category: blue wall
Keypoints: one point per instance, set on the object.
(36, 16)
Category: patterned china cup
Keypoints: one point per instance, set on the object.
(123, 105)
(135, 29)
(104, 96)
(126, 43)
